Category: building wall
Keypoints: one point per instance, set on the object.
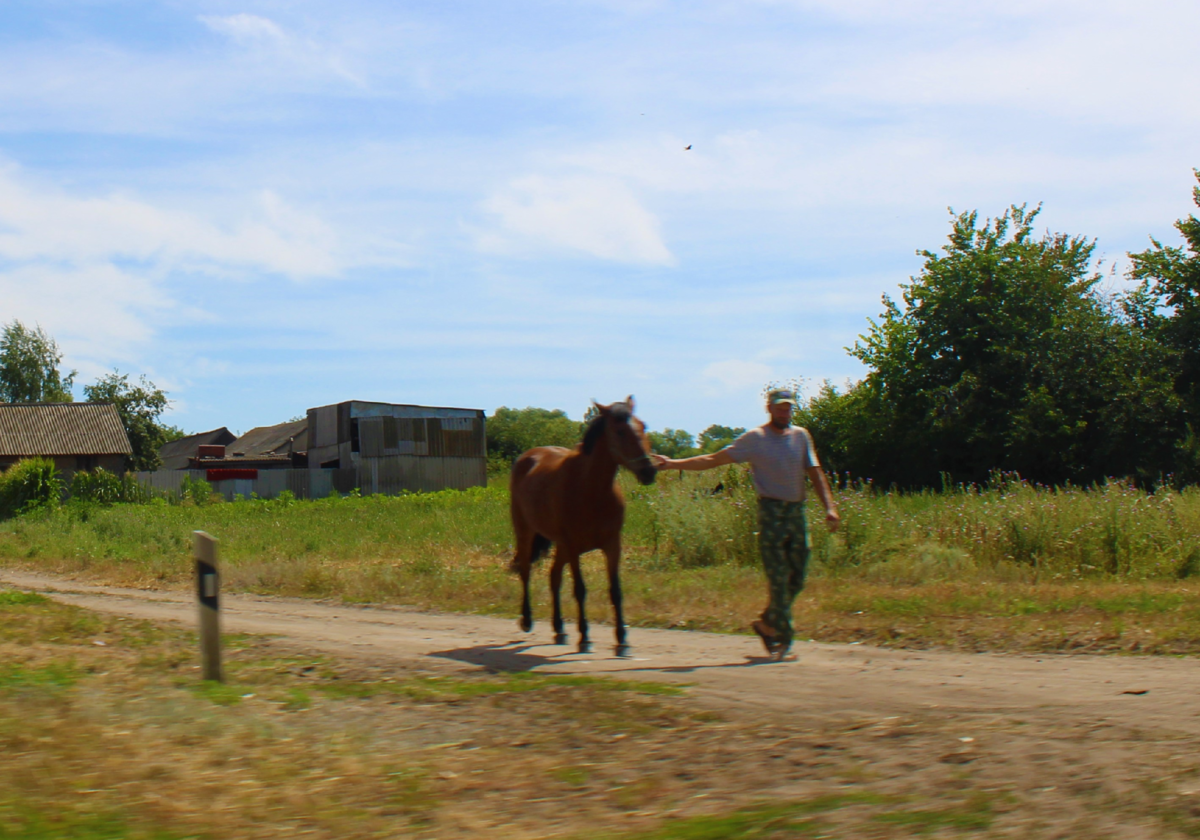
(68, 465)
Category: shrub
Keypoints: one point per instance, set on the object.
(106, 488)
(28, 485)
(198, 491)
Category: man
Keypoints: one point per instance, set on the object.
(780, 456)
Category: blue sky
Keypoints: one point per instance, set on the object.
(268, 206)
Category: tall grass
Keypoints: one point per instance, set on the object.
(1048, 568)
(1007, 531)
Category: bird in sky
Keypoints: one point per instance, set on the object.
(688, 147)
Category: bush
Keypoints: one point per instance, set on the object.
(106, 488)
(28, 485)
(197, 491)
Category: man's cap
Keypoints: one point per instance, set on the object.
(781, 395)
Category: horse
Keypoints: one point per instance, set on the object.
(569, 498)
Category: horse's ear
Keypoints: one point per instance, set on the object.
(629, 402)
(601, 409)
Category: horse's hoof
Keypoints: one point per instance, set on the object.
(526, 624)
(585, 647)
(624, 651)
(560, 638)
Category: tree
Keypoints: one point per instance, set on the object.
(139, 406)
(1168, 306)
(674, 443)
(1002, 356)
(717, 437)
(29, 360)
(511, 431)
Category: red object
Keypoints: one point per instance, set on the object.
(226, 474)
(208, 450)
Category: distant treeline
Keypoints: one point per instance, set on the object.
(511, 431)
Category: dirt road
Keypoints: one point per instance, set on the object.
(726, 671)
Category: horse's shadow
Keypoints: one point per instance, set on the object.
(515, 656)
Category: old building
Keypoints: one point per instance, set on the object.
(393, 447)
(76, 436)
(178, 454)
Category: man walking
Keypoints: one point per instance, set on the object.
(780, 456)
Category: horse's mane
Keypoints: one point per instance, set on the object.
(618, 411)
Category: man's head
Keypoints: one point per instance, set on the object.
(780, 404)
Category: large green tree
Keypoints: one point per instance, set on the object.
(140, 406)
(29, 366)
(1167, 304)
(674, 443)
(1002, 355)
(511, 431)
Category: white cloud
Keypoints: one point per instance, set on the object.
(599, 217)
(40, 223)
(738, 375)
(265, 39)
(245, 29)
(94, 310)
(93, 270)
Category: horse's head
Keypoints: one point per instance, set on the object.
(625, 437)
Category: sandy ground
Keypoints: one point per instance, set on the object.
(1096, 746)
(727, 671)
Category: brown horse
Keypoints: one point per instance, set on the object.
(569, 497)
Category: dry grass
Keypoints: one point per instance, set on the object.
(122, 741)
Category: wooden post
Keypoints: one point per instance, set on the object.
(204, 549)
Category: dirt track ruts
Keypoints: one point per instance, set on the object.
(726, 671)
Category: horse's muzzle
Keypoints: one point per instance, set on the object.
(646, 475)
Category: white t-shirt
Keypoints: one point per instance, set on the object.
(778, 460)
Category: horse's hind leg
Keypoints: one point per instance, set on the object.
(556, 576)
(585, 644)
(522, 562)
(613, 557)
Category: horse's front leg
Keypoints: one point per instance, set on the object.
(556, 576)
(585, 644)
(612, 555)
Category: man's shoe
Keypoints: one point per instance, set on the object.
(769, 640)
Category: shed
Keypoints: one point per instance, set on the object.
(76, 436)
(177, 454)
(394, 446)
(286, 441)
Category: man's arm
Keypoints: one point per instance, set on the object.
(817, 476)
(699, 462)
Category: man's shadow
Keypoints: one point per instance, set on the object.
(515, 656)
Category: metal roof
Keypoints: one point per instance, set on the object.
(268, 440)
(176, 454)
(30, 429)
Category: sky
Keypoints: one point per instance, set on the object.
(269, 206)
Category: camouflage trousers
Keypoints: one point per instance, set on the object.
(784, 546)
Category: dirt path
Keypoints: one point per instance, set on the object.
(728, 672)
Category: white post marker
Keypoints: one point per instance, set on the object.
(204, 549)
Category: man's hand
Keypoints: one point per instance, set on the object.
(832, 520)
(660, 461)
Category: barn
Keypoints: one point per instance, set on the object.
(393, 447)
(76, 436)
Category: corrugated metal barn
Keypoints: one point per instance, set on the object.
(76, 436)
(400, 447)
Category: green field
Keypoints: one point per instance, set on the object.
(1011, 565)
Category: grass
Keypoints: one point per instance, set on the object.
(812, 819)
(1100, 569)
(124, 741)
